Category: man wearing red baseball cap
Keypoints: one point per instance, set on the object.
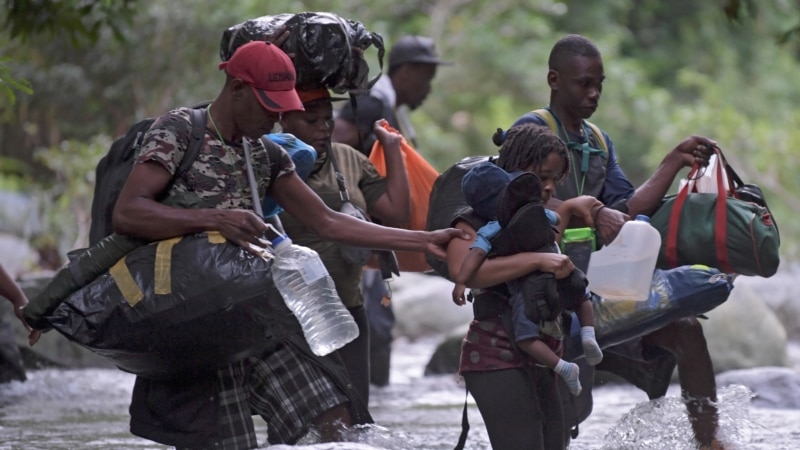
(269, 72)
(283, 381)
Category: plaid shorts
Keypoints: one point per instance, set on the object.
(286, 389)
(235, 419)
(236, 430)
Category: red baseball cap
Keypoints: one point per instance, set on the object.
(316, 95)
(269, 72)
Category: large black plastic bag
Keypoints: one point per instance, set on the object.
(85, 265)
(324, 46)
(220, 305)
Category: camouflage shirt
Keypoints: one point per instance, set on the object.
(218, 176)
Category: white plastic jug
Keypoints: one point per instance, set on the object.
(623, 270)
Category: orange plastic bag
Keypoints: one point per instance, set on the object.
(421, 176)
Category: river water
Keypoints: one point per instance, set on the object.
(87, 409)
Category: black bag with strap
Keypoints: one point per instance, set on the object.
(113, 169)
(447, 201)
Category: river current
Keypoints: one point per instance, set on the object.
(88, 409)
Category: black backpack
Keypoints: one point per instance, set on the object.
(447, 201)
(114, 168)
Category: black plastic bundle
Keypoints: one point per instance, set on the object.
(178, 306)
(328, 50)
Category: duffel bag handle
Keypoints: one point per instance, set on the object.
(720, 219)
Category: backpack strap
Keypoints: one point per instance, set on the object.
(274, 153)
(198, 120)
(598, 135)
(550, 120)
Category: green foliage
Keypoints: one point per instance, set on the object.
(68, 195)
(9, 84)
(78, 20)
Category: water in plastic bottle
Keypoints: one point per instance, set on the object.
(310, 294)
(624, 269)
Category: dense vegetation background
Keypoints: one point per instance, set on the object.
(75, 74)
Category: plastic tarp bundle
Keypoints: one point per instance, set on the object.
(84, 267)
(327, 49)
(176, 306)
(86, 264)
(676, 293)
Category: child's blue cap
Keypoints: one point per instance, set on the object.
(482, 186)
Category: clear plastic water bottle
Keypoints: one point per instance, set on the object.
(310, 294)
(624, 269)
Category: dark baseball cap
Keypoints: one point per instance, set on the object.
(482, 186)
(414, 49)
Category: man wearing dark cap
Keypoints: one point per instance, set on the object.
(412, 66)
(287, 385)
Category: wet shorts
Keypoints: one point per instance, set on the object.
(288, 391)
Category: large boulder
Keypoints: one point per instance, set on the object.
(19, 214)
(423, 306)
(16, 255)
(774, 387)
(744, 332)
(779, 292)
(447, 356)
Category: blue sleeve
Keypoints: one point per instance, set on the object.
(485, 234)
(617, 186)
(552, 217)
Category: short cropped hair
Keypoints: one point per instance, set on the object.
(570, 46)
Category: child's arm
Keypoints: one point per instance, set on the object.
(458, 294)
(472, 262)
(579, 207)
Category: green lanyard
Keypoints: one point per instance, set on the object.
(584, 147)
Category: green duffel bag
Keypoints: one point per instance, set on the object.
(723, 231)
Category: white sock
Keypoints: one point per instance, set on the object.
(591, 350)
(569, 373)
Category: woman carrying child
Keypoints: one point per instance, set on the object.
(513, 392)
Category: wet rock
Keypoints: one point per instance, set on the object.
(423, 306)
(16, 255)
(445, 358)
(744, 333)
(774, 387)
(779, 292)
(19, 213)
(11, 367)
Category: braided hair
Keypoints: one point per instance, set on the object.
(528, 145)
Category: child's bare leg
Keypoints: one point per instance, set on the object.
(568, 371)
(591, 349)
